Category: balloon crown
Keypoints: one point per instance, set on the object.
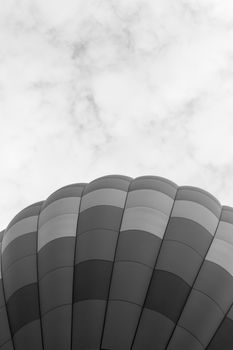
(118, 263)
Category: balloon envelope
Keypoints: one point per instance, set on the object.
(118, 264)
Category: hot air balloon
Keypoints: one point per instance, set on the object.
(119, 264)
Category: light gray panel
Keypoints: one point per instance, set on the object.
(59, 207)
(21, 273)
(225, 232)
(186, 266)
(20, 228)
(227, 214)
(73, 190)
(150, 198)
(31, 210)
(57, 227)
(130, 281)
(56, 288)
(146, 219)
(221, 253)
(197, 212)
(103, 196)
(18, 249)
(96, 244)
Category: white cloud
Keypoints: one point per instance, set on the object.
(89, 88)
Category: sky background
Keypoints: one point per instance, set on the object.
(132, 87)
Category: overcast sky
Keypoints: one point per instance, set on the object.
(133, 87)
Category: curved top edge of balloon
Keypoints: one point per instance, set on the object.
(125, 178)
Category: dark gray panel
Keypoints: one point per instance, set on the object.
(92, 276)
(88, 316)
(120, 325)
(7, 346)
(1, 235)
(196, 212)
(4, 329)
(154, 183)
(23, 307)
(136, 245)
(91, 280)
(189, 232)
(96, 244)
(22, 246)
(168, 260)
(201, 317)
(130, 282)
(74, 190)
(20, 274)
(154, 329)
(230, 313)
(223, 339)
(56, 289)
(57, 328)
(200, 196)
(217, 283)
(119, 182)
(57, 253)
(101, 216)
(2, 301)
(160, 298)
(29, 337)
(31, 210)
(183, 340)
(227, 214)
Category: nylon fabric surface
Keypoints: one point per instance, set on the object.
(119, 263)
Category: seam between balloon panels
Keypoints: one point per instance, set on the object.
(187, 245)
(5, 342)
(37, 272)
(148, 288)
(21, 258)
(220, 324)
(75, 248)
(187, 298)
(209, 297)
(192, 336)
(114, 258)
(4, 298)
